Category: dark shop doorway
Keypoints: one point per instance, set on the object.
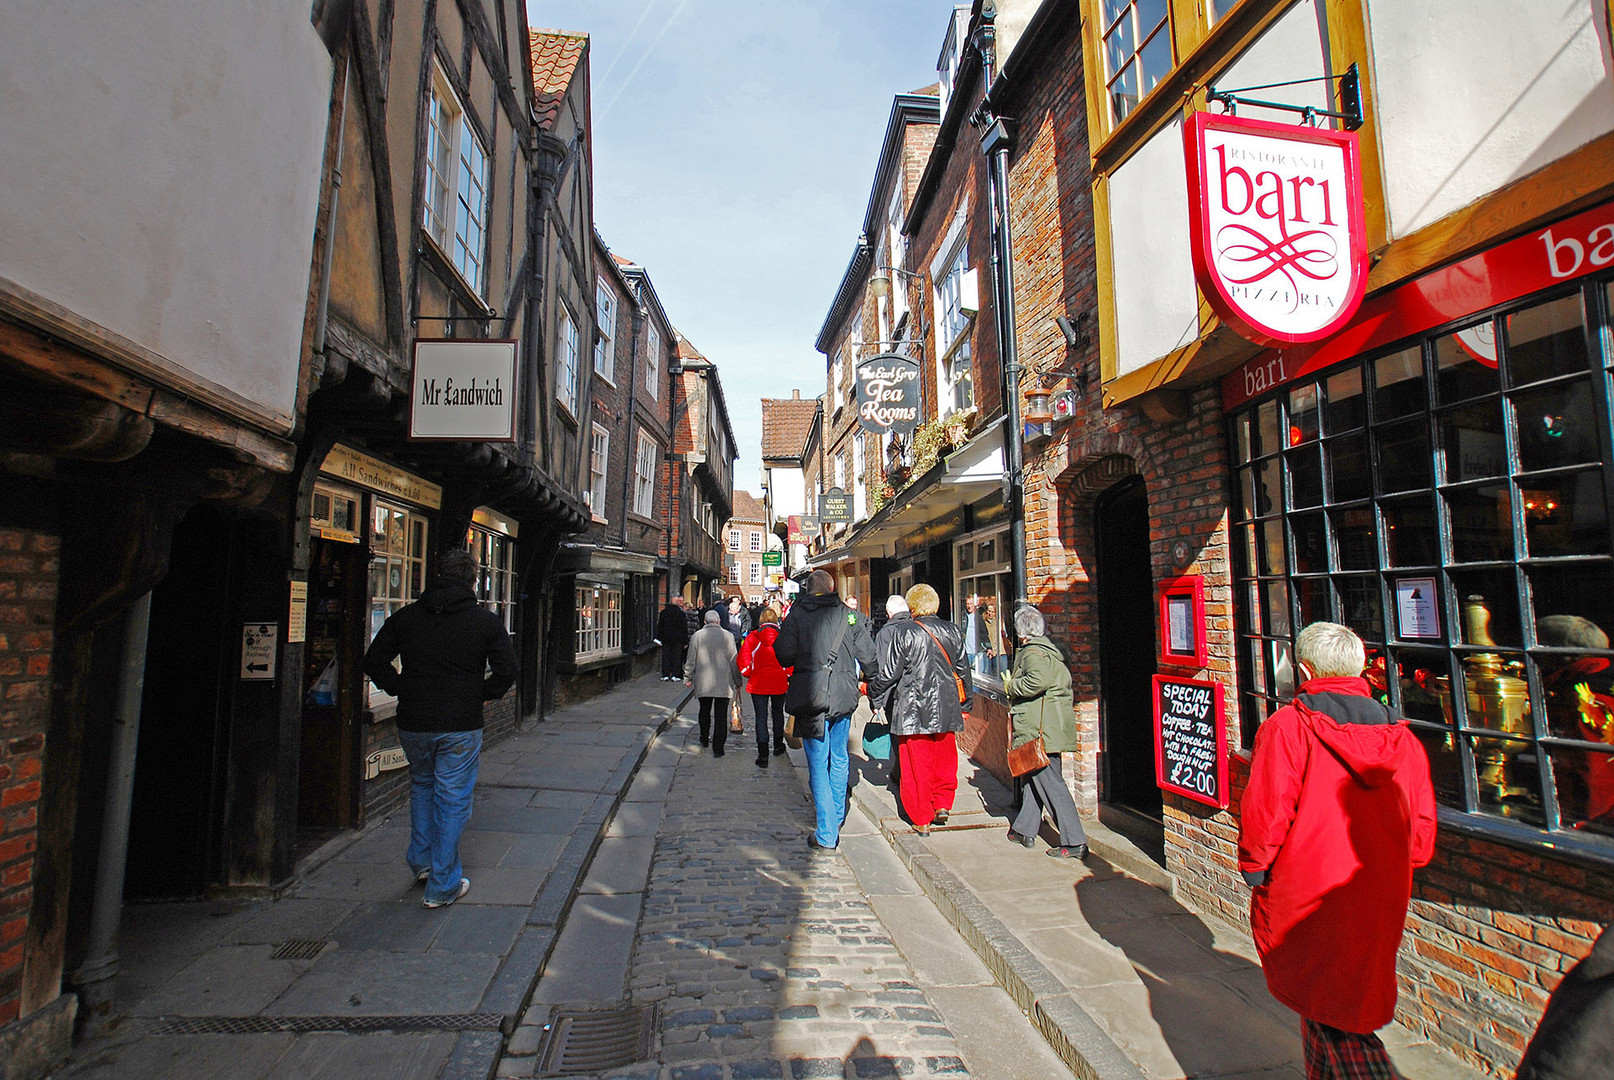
(1126, 647)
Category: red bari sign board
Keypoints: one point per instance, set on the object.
(1190, 739)
(1537, 260)
(1275, 225)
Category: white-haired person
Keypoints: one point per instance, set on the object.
(1338, 811)
(711, 670)
(918, 659)
(1041, 704)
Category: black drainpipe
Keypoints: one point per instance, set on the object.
(997, 143)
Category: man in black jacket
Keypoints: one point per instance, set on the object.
(673, 630)
(826, 641)
(448, 644)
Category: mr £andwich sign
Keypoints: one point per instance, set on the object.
(463, 388)
(1275, 224)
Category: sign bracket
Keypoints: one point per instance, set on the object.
(1350, 99)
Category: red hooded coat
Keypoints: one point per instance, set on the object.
(1337, 815)
(762, 669)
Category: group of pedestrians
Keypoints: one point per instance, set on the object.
(1337, 813)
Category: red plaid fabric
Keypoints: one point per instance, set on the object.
(1332, 1054)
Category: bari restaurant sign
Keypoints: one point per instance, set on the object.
(1275, 225)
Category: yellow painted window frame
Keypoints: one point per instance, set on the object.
(1579, 179)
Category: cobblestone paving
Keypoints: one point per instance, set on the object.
(765, 957)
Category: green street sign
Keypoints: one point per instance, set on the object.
(773, 558)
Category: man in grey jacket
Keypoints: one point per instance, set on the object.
(826, 642)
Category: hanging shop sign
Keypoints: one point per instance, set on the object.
(463, 389)
(1276, 225)
(1527, 264)
(834, 505)
(888, 395)
(801, 528)
(773, 558)
(1190, 739)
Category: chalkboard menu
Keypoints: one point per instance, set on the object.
(1190, 739)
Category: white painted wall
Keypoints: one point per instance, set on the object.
(1156, 306)
(161, 179)
(787, 491)
(1474, 95)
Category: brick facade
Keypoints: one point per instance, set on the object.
(28, 578)
(1493, 926)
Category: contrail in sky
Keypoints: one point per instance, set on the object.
(623, 48)
(646, 54)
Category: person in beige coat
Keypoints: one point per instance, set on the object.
(710, 669)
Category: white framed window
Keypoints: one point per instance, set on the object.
(599, 461)
(605, 315)
(456, 207)
(566, 362)
(895, 253)
(954, 371)
(652, 361)
(495, 556)
(947, 65)
(708, 520)
(835, 379)
(734, 571)
(860, 487)
(843, 471)
(599, 621)
(756, 540)
(981, 580)
(734, 539)
(397, 569)
(644, 477)
(756, 573)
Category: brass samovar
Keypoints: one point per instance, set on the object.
(1496, 700)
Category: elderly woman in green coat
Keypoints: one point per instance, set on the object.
(1040, 703)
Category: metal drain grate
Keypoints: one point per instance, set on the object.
(268, 1025)
(582, 1043)
(300, 949)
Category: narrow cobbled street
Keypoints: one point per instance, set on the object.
(763, 958)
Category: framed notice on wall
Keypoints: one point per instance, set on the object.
(1181, 632)
(1190, 739)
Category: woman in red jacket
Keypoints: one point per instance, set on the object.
(1338, 811)
(767, 681)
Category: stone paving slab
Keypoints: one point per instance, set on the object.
(534, 825)
(1121, 979)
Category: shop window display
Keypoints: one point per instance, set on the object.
(982, 595)
(397, 569)
(1448, 500)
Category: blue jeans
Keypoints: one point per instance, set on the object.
(442, 775)
(827, 770)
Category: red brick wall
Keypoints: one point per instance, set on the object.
(28, 573)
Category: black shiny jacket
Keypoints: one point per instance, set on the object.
(915, 684)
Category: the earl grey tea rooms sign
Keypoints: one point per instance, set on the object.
(463, 389)
(888, 394)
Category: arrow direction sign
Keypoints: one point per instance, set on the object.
(259, 644)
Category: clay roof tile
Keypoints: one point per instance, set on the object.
(555, 54)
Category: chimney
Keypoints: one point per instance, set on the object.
(795, 395)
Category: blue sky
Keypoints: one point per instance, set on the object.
(734, 146)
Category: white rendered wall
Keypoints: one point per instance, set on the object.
(1156, 306)
(161, 179)
(787, 492)
(1474, 95)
